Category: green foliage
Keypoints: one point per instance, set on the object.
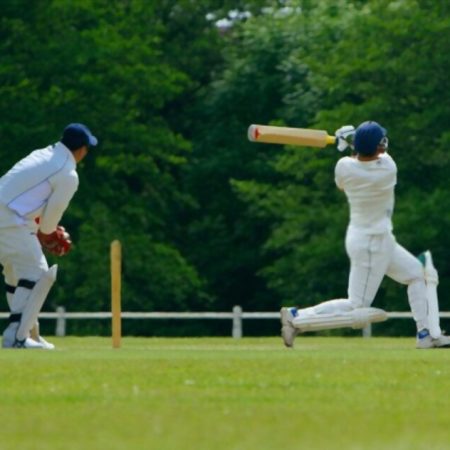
(104, 64)
(390, 65)
(384, 61)
(254, 87)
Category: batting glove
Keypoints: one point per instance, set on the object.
(344, 137)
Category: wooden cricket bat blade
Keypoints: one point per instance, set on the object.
(289, 136)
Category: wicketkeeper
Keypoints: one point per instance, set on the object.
(34, 194)
(368, 179)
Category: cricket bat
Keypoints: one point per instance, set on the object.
(290, 136)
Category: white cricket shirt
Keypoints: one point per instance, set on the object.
(40, 185)
(369, 187)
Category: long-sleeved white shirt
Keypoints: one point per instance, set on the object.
(369, 187)
(40, 185)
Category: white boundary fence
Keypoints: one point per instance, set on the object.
(237, 315)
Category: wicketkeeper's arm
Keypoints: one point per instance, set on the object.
(58, 203)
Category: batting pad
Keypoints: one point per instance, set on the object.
(35, 301)
(432, 280)
(357, 318)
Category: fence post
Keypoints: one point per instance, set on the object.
(60, 321)
(367, 331)
(237, 322)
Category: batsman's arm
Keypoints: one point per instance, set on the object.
(290, 136)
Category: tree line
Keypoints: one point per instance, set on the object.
(207, 219)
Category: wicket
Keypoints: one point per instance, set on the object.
(116, 274)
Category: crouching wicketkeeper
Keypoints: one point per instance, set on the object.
(34, 194)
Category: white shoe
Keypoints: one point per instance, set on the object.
(288, 331)
(27, 343)
(442, 341)
(10, 341)
(45, 344)
(424, 340)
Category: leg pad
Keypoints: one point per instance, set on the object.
(357, 318)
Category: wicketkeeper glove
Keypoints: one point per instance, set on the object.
(344, 137)
(57, 243)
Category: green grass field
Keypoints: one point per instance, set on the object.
(220, 393)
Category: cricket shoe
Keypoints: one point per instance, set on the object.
(10, 341)
(288, 331)
(424, 340)
(45, 344)
(27, 343)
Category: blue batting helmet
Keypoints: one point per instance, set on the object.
(367, 137)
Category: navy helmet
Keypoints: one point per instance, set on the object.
(368, 136)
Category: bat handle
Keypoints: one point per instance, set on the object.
(331, 140)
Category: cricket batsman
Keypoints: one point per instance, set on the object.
(368, 179)
(34, 194)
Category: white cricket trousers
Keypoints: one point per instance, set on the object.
(20, 254)
(371, 258)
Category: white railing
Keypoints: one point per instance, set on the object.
(237, 315)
